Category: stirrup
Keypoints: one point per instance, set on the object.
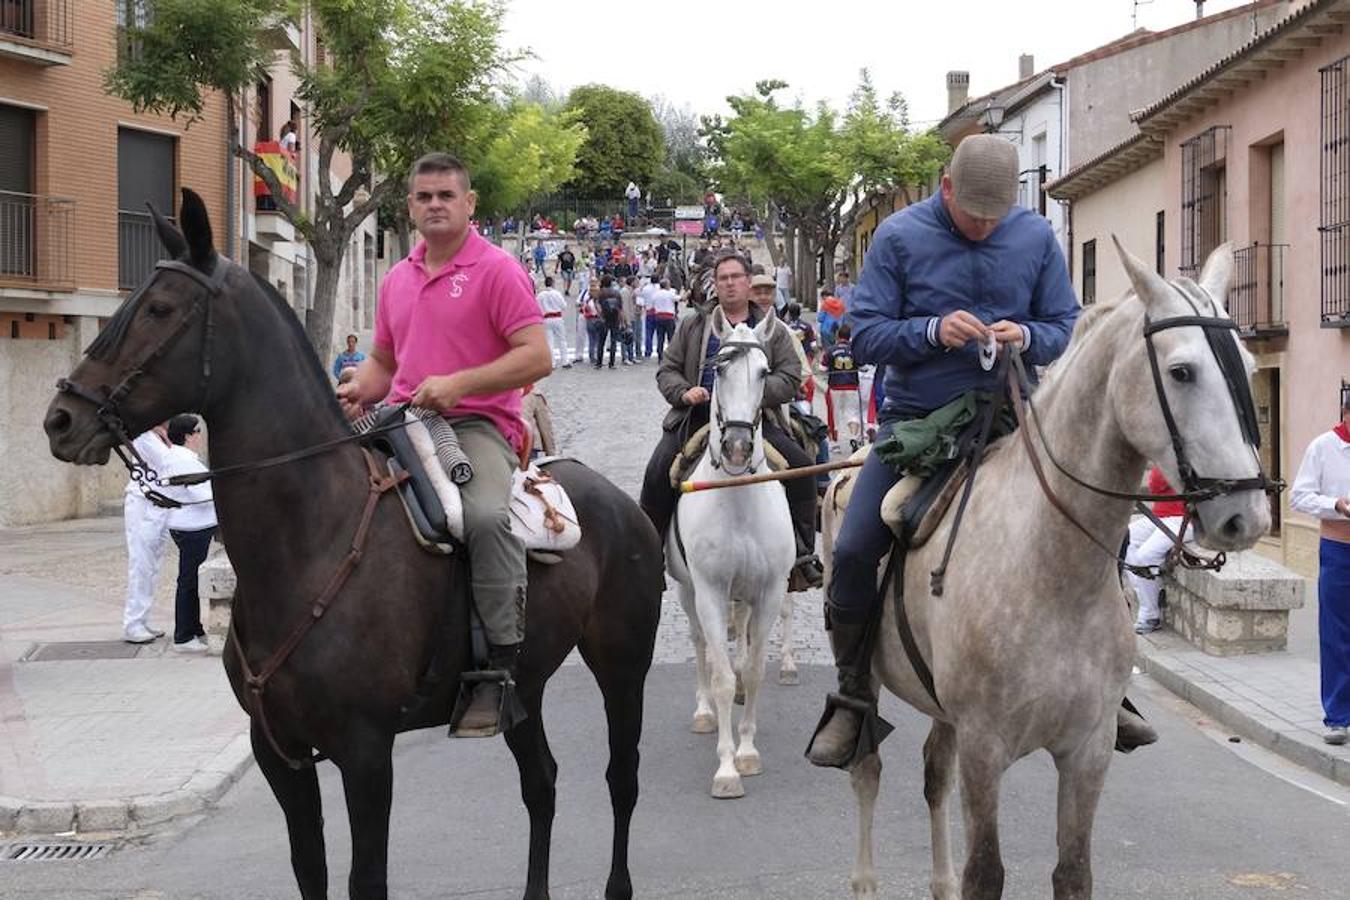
(872, 729)
(510, 711)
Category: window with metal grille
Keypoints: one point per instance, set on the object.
(1159, 240)
(1089, 272)
(145, 173)
(1204, 196)
(1334, 191)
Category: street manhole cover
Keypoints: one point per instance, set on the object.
(53, 852)
(57, 650)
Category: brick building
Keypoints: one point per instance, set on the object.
(76, 169)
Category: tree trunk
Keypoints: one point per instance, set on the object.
(319, 322)
(805, 269)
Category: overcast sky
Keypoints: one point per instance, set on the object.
(696, 52)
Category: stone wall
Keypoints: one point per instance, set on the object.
(1242, 608)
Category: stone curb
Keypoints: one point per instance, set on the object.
(1243, 717)
(210, 782)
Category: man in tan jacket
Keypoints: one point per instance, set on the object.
(685, 380)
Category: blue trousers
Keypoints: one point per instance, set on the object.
(863, 540)
(1333, 629)
(650, 328)
(193, 547)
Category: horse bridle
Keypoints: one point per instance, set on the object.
(1221, 335)
(106, 401)
(737, 348)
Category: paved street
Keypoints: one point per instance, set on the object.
(1195, 817)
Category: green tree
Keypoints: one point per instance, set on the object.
(398, 78)
(623, 140)
(808, 165)
(526, 151)
(683, 175)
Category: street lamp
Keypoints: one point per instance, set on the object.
(992, 117)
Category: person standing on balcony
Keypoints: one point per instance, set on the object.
(290, 140)
(1322, 489)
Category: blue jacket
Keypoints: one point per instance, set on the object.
(920, 267)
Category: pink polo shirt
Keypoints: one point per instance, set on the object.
(456, 319)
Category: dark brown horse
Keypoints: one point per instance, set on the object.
(204, 335)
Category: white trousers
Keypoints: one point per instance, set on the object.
(583, 345)
(556, 330)
(1148, 547)
(147, 530)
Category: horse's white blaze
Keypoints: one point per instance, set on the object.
(738, 546)
(1030, 645)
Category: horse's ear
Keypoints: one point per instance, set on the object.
(719, 323)
(764, 328)
(1148, 285)
(1217, 273)
(196, 228)
(170, 236)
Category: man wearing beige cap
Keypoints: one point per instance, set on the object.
(941, 277)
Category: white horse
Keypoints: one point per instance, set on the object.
(732, 546)
(1030, 645)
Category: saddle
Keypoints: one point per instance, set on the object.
(913, 508)
(692, 452)
(541, 513)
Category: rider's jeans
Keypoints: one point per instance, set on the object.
(863, 540)
(497, 555)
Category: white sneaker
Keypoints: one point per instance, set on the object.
(138, 634)
(157, 632)
(194, 645)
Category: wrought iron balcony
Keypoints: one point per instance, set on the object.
(1257, 299)
(36, 240)
(1031, 188)
(138, 248)
(37, 31)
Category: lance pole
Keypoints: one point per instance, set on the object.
(689, 487)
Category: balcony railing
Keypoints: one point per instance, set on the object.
(138, 248)
(36, 239)
(1031, 189)
(46, 23)
(1257, 299)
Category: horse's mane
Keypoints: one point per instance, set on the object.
(309, 360)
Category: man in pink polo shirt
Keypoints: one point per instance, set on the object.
(457, 329)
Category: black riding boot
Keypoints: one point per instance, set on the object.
(483, 716)
(835, 742)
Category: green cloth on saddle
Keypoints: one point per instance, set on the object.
(921, 446)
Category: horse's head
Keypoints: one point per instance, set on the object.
(1181, 393)
(152, 358)
(738, 393)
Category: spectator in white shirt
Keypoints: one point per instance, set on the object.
(1322, 489)
(191, 526)
(553, 305)
(147, 532)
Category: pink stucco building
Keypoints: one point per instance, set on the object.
(1254, 150)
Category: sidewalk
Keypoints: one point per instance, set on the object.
(1270, 699)
(97, 735)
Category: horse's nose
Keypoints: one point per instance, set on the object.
(58, 422)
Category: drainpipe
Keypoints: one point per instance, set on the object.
(1062, 88)
(230, 198)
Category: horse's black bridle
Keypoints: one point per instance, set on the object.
(736, 348)
(106, 400)
(1221, 334)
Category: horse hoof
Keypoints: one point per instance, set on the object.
(789, 676)
(704, 723)
(749, 764)
(864, 888)
(728, 787)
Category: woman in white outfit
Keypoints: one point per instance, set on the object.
(1149, 546)
(147, 533)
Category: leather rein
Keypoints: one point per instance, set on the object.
(1220, 332)
(106, 401)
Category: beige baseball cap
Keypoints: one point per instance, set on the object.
(984, 176)
(762, 280)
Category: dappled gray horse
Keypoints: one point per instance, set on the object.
(1030, 645)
